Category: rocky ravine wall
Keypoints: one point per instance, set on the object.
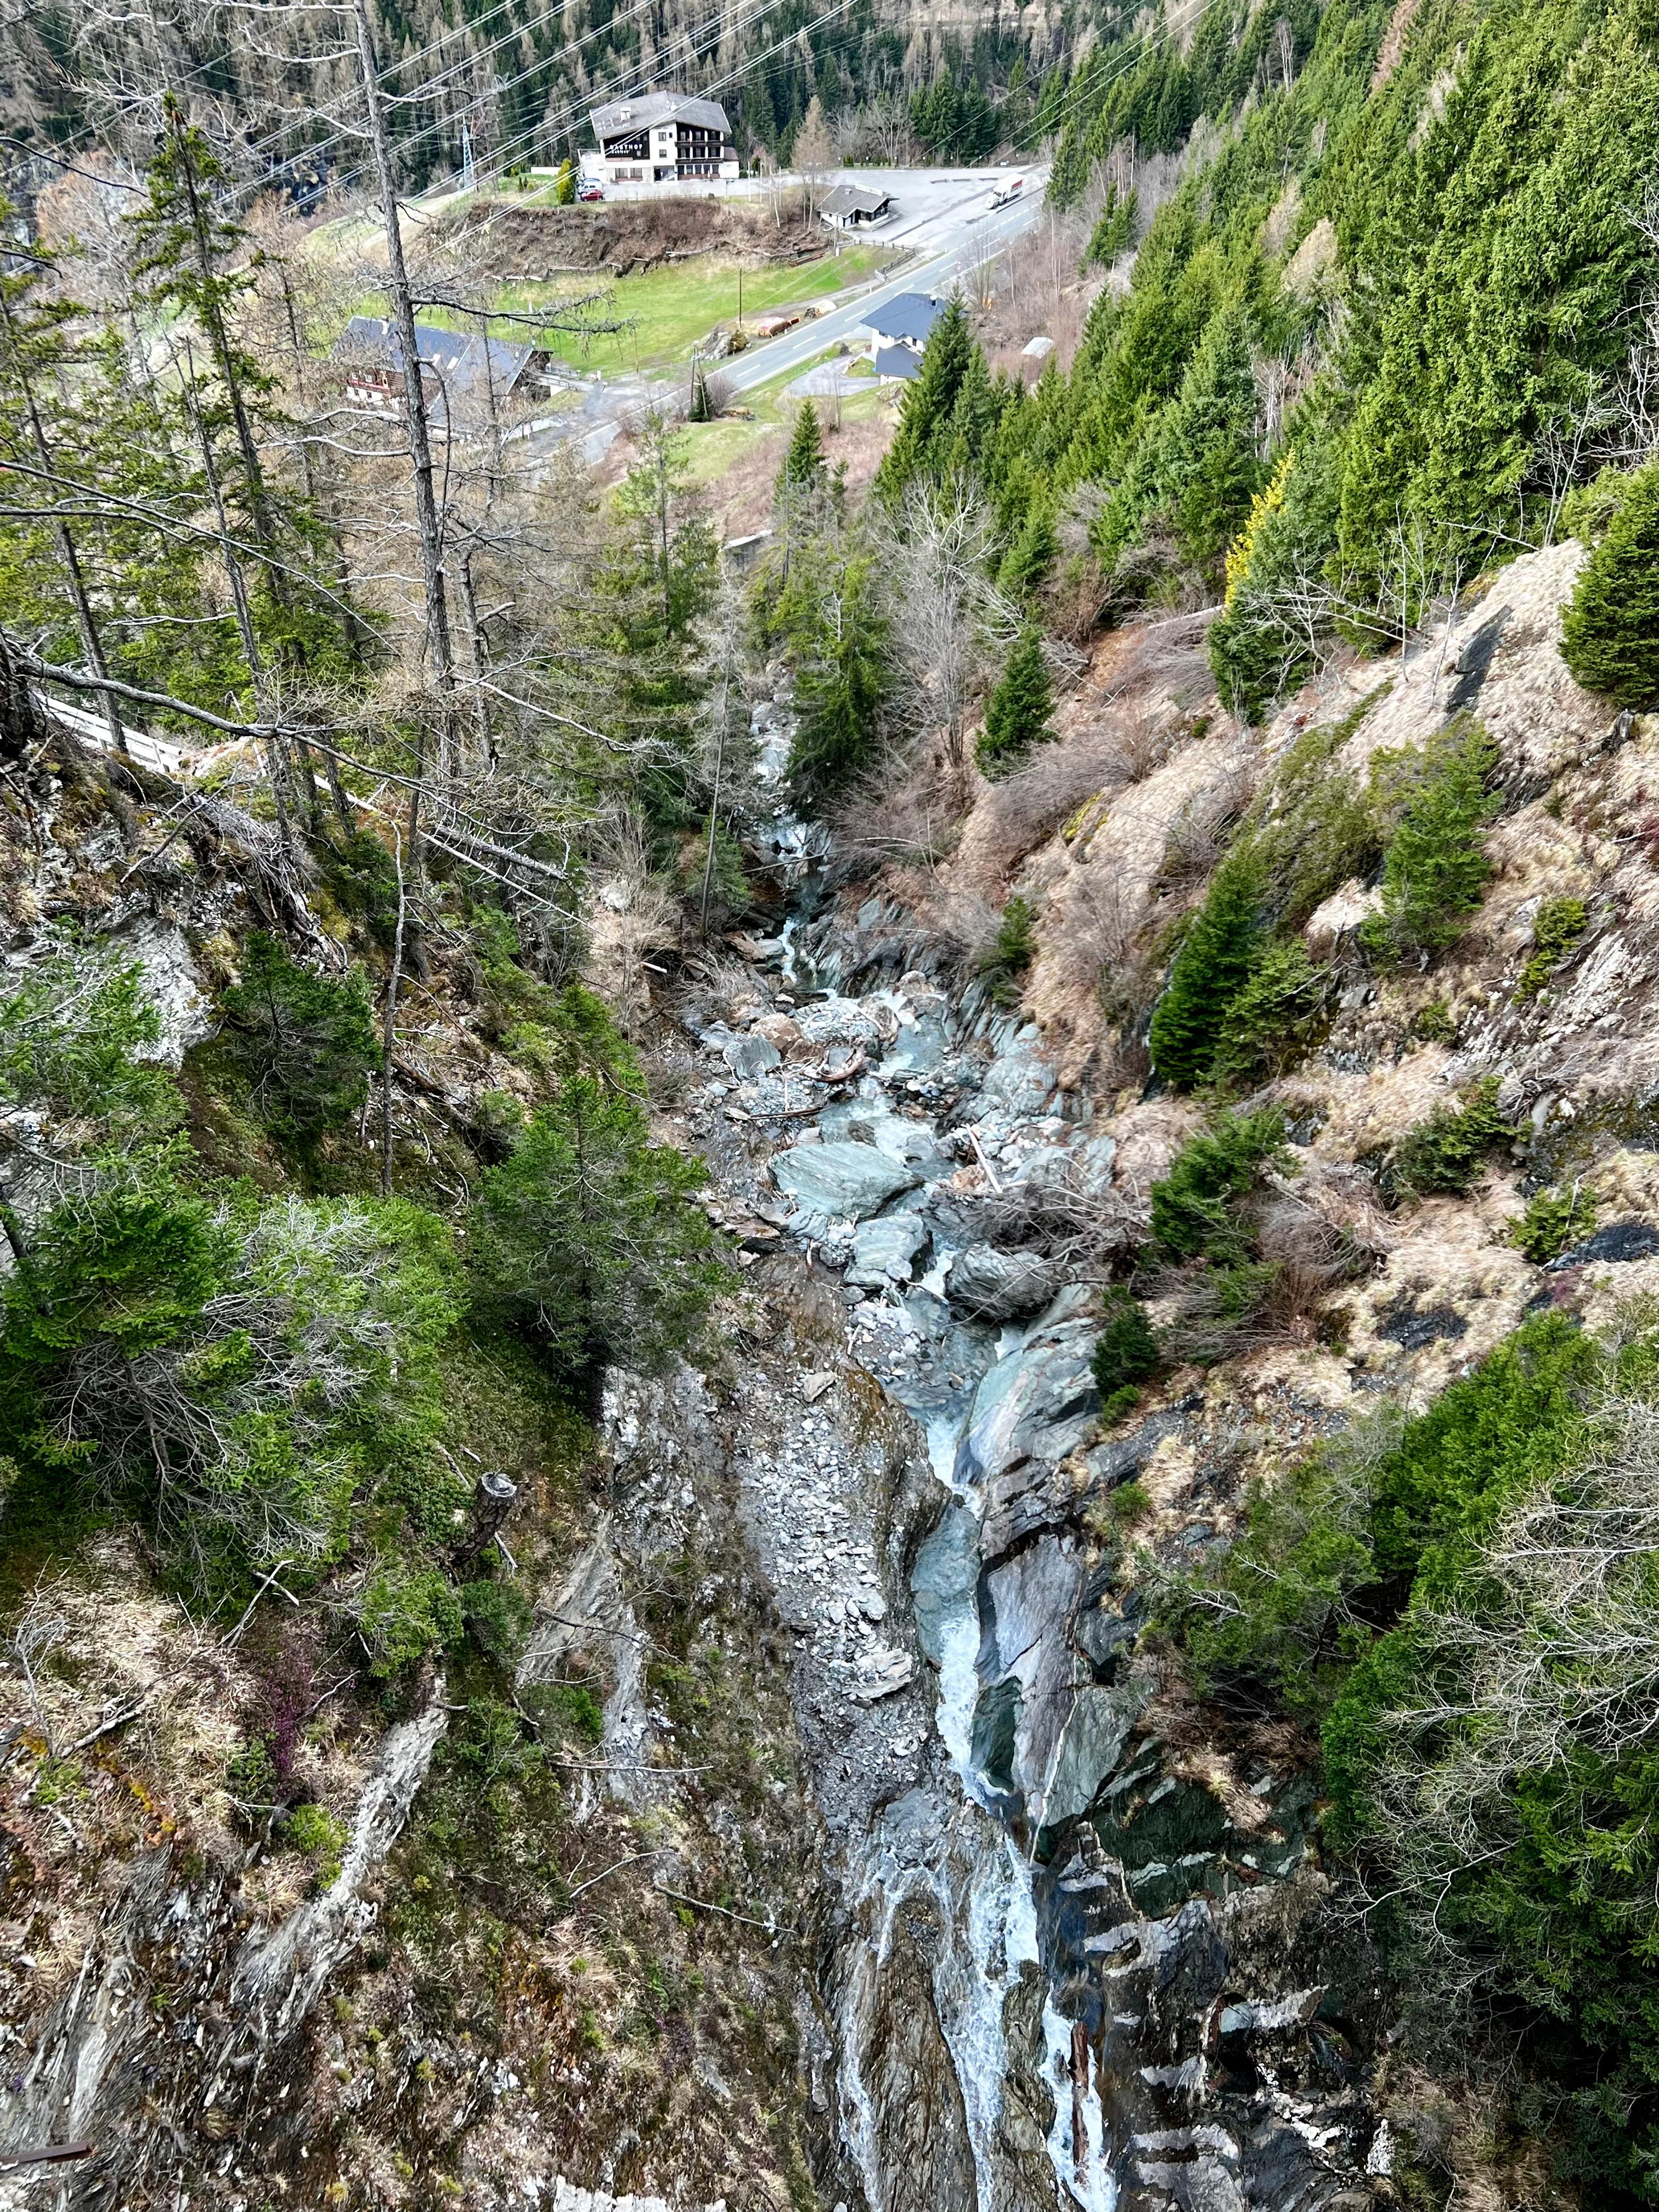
(234, 2024)
(1073, 1911)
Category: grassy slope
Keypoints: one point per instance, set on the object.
(670, 309)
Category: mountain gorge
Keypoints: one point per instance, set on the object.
(829, 1362)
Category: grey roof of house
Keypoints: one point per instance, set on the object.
(467, 366)
(910, 316)
(898, 360)
(855, 199)
(649, 107)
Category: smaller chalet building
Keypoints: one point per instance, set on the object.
(897, 364)
(658, 137)
(467, 378)
(856, 207)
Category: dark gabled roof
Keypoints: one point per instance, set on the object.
(910, 316)
(898, 360)
(648, 107)
(466, 366)
(856, 199)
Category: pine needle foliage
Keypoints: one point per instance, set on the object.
(1126, 1353)
(1004, 962)
(1435, 869)
(1214, 964)
(1447, 1153)
(927, 408)
(305, 1044)
(1610, 634)
(803, 463)
(1017, 713)
(1557, 927)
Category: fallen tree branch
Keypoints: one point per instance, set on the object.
(605, 1873)
(768, 1926)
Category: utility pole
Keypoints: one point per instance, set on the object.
(439, 650)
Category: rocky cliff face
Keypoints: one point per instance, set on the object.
(582, 1983)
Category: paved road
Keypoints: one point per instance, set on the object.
(949, 232)
(942, 217)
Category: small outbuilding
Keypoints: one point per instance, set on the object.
(467, 379)
(856, 207)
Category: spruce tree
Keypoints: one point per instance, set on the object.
(1126, 1353)
(1017, 713)
(974, 418)
(1610, 636)
(1215, 962)
(803, 462)
(927, 410)
(192, 262)
(1031, 556)
(837, 642)
(564, 185)
(1435, 871)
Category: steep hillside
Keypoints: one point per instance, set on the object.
(832, 1382)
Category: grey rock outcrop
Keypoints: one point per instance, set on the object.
(987, 1285)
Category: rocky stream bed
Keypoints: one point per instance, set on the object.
(1062, 1961)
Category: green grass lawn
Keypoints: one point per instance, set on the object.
(672, 309)
(711, 449)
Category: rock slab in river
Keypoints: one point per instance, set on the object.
(883, 1250)
(842, 1182)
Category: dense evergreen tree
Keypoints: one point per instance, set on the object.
(305, 1044)
(1435, 870)
(927, 408)
(1213, 964)
(836, 641)
(588, 1237)
(803, 464)
(1610, 634)
(1017, 713)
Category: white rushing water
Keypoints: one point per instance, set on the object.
(1000, 1923)
(979, 1878)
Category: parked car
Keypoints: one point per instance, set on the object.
(590, 193)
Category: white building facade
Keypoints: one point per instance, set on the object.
(659, 137)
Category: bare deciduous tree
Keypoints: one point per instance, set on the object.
(947, 615)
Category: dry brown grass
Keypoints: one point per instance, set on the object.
(1202, 831)
(1014, 817)
(899, 815)
(504, 238)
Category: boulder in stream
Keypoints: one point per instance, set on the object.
(884, 1249)
(1038, 1403)
(987, 1285)
(845, 1181)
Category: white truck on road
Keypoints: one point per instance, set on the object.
(1000, 195)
